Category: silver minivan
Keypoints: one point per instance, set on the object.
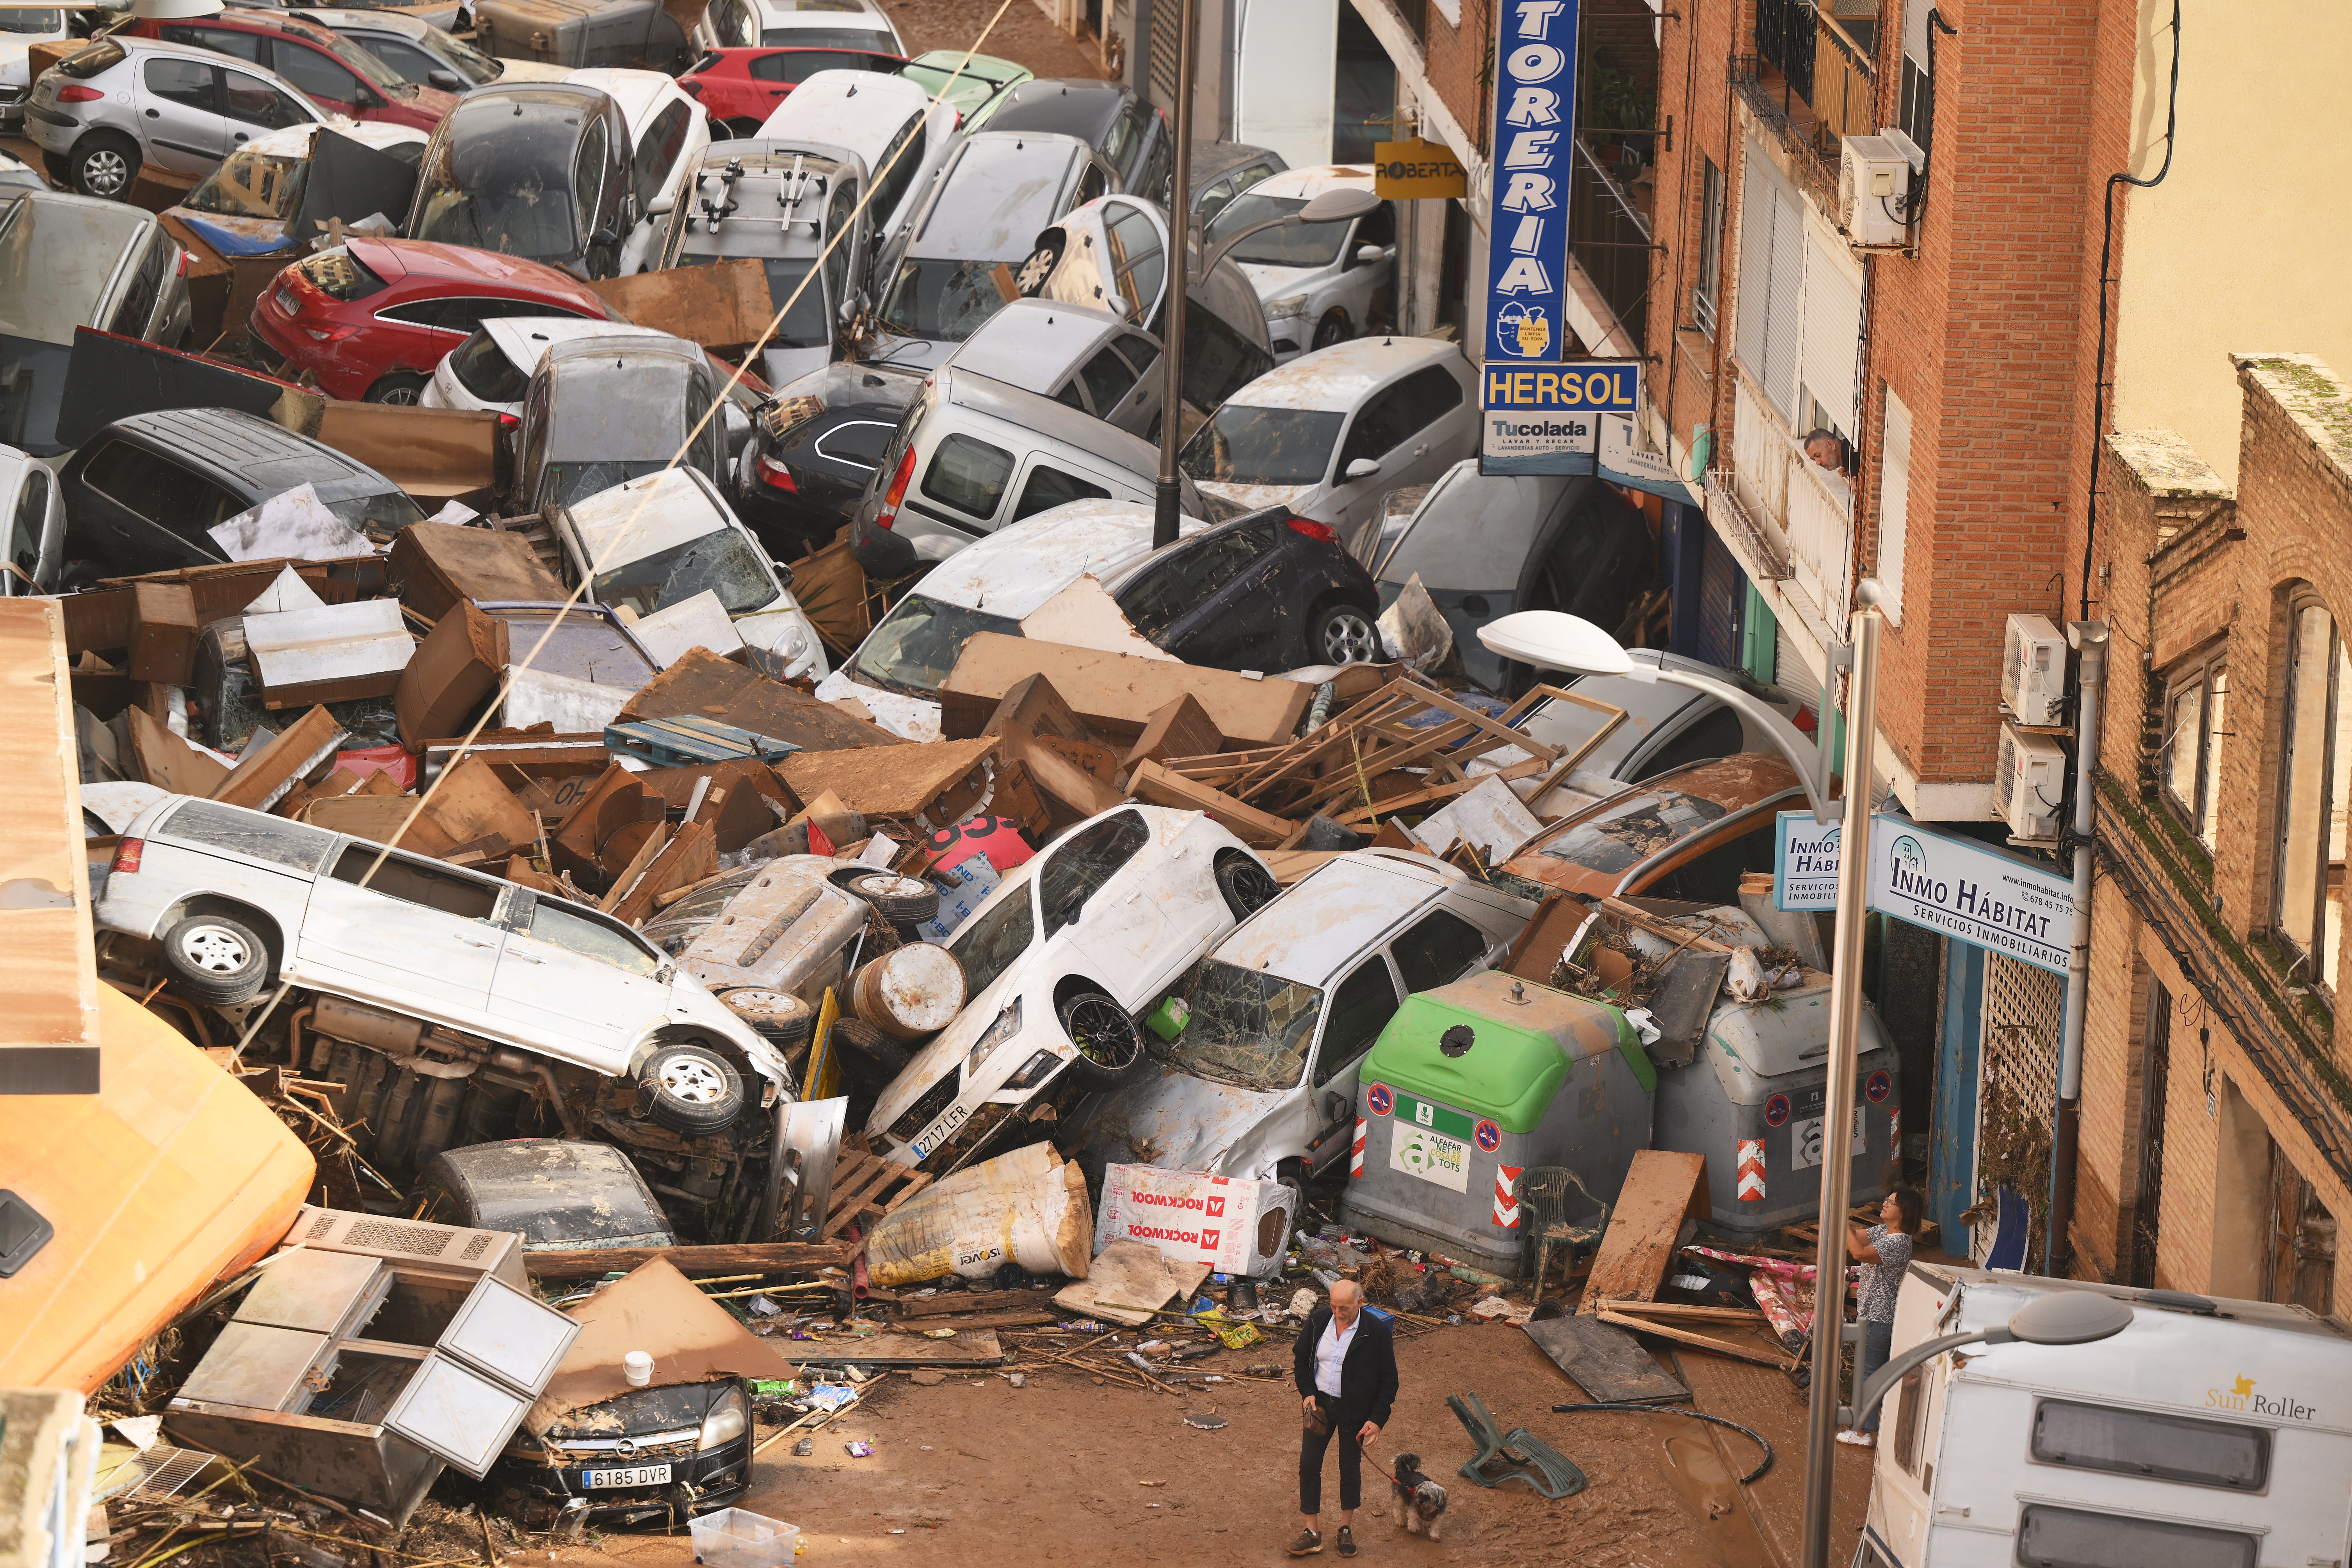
(971, 455)
(996, 194)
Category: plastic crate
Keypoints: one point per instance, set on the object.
(738, 1538)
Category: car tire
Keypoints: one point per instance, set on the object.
(1332, 328)
(1031, 275)
(1247, 886)
(695, 1089)
(1110, 1045)
(1343, 634)
(901, 901)
(60, 172)
(866, 1053)
(742, 130)
(402, 388)
(103, 164)
(218, 961)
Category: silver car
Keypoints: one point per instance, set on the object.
(1087, 358)
(443, 962)
(118, 104)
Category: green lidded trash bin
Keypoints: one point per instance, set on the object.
(1475, 1082)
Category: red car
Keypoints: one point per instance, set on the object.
(370, 319)
(334, 73)
(741, 88)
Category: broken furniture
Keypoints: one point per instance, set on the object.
(1549, 1218)
(689, 740)
(1545, 1470)
(370, 1354)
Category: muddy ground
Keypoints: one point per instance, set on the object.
(1023, 35)
(1065, 1471)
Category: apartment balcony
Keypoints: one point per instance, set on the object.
(1805, 510)
(1809, 79)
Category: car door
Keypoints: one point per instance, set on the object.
(1359, 1008)
(421, 936)
(1126, 933)
(1363, 285)
(576, 984)
(257, 107)
(180, 118)
(1404, 429)
(1047, 485)
(1234, 618)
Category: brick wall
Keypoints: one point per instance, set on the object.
(1454, 59)
(1693, 48)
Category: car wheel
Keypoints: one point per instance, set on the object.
(402, 388)
(1344, 635)
(901, 901)
(742, 130)
(1246, 884)
(1110, 1047)
(61, 170)
(1032, 274)
(1331, 329)
(104, 164)
(866, 1053)
(696, 1090)
(216, 960)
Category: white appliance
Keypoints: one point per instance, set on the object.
(2028, 782)
(1874, 175)
(2032, 670)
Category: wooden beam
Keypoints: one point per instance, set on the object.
(1754, 1354)
(764, 1257)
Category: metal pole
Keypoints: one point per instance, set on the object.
(1837, 1111)
(1167, 496)
(2091, 675)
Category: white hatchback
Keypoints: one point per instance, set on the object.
(1331, 433)
(492, 369)
(1321, 283)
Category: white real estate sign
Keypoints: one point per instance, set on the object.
(1988, 897)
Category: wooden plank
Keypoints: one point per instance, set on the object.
(704, 684)
(831, 588)
(265, 773)
(1682, 1309)
(978, 1348)
(689, 856)
(1755, 1354)
(1116, 693)
(947, 1301)
(1031, 1318)
(1394, 804)
(723, 306)
(1661, 1188)
(167, 762)
(1658, 926)
(901, 782)
(49, 1027)
(746, 1258)
(1607, 1363)
(1181, 728)
(1258, 829)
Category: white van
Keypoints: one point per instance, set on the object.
(2208, 1434)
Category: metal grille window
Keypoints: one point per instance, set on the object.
(2023, 1015)
(2196, 708)
(2313, 794)
(2143, 1442)
(1705, 292)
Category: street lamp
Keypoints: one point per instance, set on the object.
(1563, 642)
(1551, 640)
(2060, 1317)
(1340, 204)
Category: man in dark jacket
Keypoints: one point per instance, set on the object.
(1345, 1367)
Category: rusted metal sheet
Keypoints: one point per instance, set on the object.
(911, 992)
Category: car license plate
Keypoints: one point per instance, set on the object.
(636, 1476)
(287, 301)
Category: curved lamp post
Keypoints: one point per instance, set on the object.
(2060, 1317)
(1549, 639)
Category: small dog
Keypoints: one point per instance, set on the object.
(1419, 1500)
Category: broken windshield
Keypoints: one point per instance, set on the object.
(723, 562)
(913, 649)
(1632, 830)
(1263, 446)
(991, 940)
(251, 184)
(500, 180)
(1303, 244)
(1246, 1028)
(942, 298)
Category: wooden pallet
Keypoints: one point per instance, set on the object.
(868, 1185)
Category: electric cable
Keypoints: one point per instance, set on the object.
(1747, 1432)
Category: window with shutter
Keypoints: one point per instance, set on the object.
(1832, 314)
(1893, 503)
(1771, 281)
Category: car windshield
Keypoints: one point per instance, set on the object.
(1307, 244)
(917, 645)
(567, 484)
(385, 513)
(1246, 1028)
(1263, 446)
(360, 61)
(990, 940)
(723, 562)
(47, 21)
(250, 185)
(1632, 828)
(807, 324)
(499, 181)
(941, 298)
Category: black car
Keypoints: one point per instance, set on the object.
(1131, 135)
(144, 493)
(541, 170)
(1223, 169)
(808, 479)
(1268, 591)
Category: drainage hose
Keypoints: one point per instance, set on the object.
(1757, 1437)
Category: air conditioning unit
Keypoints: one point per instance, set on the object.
(2028, 782)
(2032, 670)
(1875, 176)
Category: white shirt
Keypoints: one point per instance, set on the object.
(1330, 1351)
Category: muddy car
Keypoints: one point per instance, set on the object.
(448, 1003)
(1261, 1083)
(1689, 834)
(1060, 960)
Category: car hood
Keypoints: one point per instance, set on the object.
(1273, 282)
(1250, 498)
(909, 718)
(640, 1412)
(1168, 1118)
(15, 66)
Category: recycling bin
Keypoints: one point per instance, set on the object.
(1472, 1084)
(1753, 1104)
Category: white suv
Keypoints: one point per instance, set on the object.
(240, 899)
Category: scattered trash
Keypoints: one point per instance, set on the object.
(859, 1451)
(1210, 1421)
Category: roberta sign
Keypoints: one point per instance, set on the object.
(1972, 891)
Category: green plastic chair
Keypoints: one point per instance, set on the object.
(1555, 1217)
(1545, 1470)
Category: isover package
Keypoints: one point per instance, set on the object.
(1232, 1225)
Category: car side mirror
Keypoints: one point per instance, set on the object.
(1362, 468)
(661, 206)
(1336, 1106)
(447, 81)
(1368, 254)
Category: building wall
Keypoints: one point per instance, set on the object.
(1693, 46)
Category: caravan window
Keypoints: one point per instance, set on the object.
(2077, 1538)
(2160, 1448)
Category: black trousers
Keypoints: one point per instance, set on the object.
(1310, 1461)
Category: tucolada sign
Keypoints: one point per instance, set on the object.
(1966, 890)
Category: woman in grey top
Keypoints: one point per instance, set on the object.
(1884, 1252)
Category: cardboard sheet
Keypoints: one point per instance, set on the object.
(1134, 1275)
(657, 1310)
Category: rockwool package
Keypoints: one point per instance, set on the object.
(1234, 1226)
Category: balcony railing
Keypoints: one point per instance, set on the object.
(1808, 74)
(1609, 237)
(1793, 498)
